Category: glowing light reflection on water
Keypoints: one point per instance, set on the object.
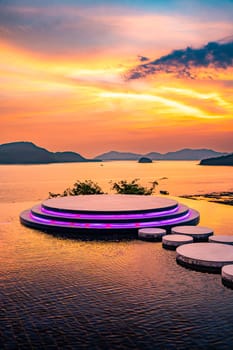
(57, 293)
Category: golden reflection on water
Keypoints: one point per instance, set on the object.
(29, 251)
(217, 216)
(33, 182)
(33, 254)
(129, 289)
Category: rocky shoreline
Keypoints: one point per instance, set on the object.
(216, 197)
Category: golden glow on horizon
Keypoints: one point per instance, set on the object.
(178, 107)
(196, 94)
(61, 103)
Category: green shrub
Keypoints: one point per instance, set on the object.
(133, 187)
(121, 187)
(80, 188)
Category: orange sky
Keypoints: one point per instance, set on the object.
(77, 99)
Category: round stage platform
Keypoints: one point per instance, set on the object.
(107, 213)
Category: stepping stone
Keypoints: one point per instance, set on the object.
(151, 234)
(199, 233)
(205, 256)
(227, 275)
(221, 239)
(173, 241)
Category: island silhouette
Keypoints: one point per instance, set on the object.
(24, 152)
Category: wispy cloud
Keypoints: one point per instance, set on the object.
(217, 55)
(62, 64)
(74, 29)
(59, 30)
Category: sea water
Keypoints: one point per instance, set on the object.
(71, 294)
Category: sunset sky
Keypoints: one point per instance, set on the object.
(134, 75)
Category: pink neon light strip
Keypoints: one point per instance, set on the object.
(109, 226)
(111, 216)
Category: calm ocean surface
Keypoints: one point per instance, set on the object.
(71, 294)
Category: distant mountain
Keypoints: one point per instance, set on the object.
(183, 154)
(66, 157)
(191, 154)
(224, 160)
(113, 155)
(154, 155)
(29, 153)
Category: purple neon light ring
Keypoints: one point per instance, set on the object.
(109, 216)
(112, 225)
(109, 213)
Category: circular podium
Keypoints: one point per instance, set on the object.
(107, 213)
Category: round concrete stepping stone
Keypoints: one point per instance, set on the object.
(199, 233)
(173, 241)
(205, 256)
(151, 234)
(221, 239)
(227, 275)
